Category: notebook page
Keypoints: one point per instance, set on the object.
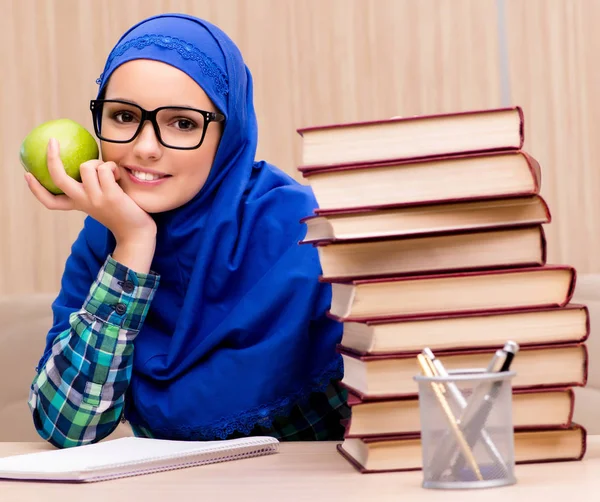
(124, 455)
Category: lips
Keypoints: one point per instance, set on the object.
(145, 177)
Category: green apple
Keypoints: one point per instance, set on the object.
(77, 146)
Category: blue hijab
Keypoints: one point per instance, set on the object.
(237, 332)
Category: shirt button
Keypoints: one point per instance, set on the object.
(120, 308)
(128, 287)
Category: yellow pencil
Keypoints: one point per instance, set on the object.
(462, 442)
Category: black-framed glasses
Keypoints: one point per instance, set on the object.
(177, 127)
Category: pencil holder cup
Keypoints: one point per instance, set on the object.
(467, 435)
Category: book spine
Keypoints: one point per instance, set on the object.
(521, 125)
(535, 169)
(543, 246)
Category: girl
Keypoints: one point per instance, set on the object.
(187, 306)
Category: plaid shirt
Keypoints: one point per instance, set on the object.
(77, 396)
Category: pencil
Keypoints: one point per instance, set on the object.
(462, 442)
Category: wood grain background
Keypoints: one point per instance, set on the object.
(317, 62)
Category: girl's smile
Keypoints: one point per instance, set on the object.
(143, 176)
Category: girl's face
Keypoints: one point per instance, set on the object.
(158, 178)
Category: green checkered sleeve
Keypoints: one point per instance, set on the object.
(77, 396)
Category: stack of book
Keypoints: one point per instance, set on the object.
(430, 230)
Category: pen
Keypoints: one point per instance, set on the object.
(461, 402)
(500, 362)
(511, 349)
(472, 422)
(462, 442)
(497, 361)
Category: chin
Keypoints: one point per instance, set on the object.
(152, 205)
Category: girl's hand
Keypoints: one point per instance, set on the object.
(98, 195)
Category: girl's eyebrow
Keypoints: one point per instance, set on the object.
(137, 104)
(125, 99)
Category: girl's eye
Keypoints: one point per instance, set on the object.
(124, 117)
(185, 124)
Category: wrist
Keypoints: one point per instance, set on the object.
(133, 234)
(136, 251)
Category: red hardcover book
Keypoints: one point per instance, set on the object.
(505, 247)
(549, 408)
(403, 453)
(454, 331)
(414, 137)
(391, 375)
(424, 181)
(459, 292)
(407, 220)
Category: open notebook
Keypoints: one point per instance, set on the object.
(129, 456)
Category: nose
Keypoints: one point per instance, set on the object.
(146, 144)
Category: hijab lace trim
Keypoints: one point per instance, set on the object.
(260, 416)
(185, 50)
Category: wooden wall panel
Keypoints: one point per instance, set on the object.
(313, 62)
(553, 48)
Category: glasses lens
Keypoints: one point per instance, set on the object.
(117, 121)
(180, 127)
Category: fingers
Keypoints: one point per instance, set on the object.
(50, 201)
(61, 179)
(116, 171)
(89, 179)
(99, 180)
(107, 174)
